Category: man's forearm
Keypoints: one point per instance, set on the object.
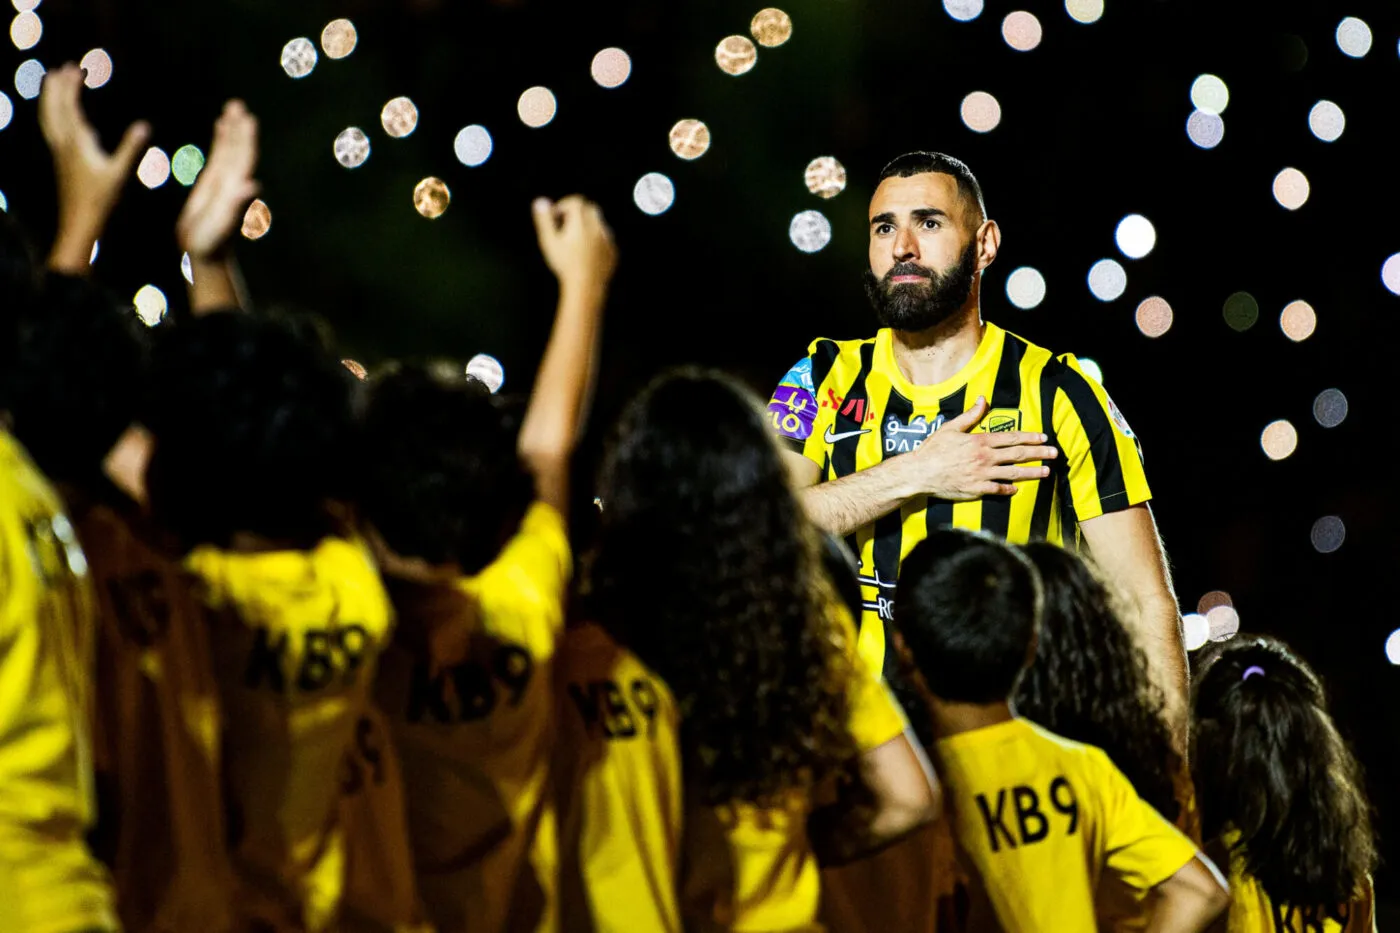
(1161, 637)
(843, 505)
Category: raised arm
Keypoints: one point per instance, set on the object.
(578, 248)
(214, 211)
(951, 464)
(89, 178)
(1127, 547)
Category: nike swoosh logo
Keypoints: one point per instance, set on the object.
(833, 438)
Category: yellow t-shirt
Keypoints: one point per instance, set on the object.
(618, 778)
(748, 868)
(49, 879)
(1252, 911)
(295, 638)
(467, 689)
(1039, 820)
(156, 730)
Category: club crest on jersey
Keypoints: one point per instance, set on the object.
(1000, 421)
(904, 436)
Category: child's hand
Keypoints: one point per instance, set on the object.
(220, 197)
(576, 242)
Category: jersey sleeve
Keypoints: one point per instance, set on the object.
(793, 408)
(875, 717)
(1140, 846)
(1099, 449)
(539, 553)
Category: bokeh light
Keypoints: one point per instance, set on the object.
(472, 146)
(186, 164)
(257, 220)
(1241, 311)
(26, 30)
(1212, 599)
(29, 77)
(1298, 321)
(1392, 647)
(1195, 629)
(339, 38)
(357, 369)
(771, 27)
(825, 177)
(150, 305)
(1021, 30)
(4, 204)
(298, 57)
(1279, 440)
(7, 110)
(1135, 236)
(98, 65)
(690, 139)
(981, 112)
(489, 370)
(24, 6)
(1154, 317)
(399, 117)
(351, 147)
(1354, 37)
(1107, 280)
(537, 107)
(431, 197)
(810, 231)
(963, 10)
(1210, 94)
(1084, 11)
(1328, 534)
(1224, 622)
(1390, 273)
(654, 193)
(1025, 288)
(1327, 121)
(1092, 369)
(1291, 188)
(611, 68)
(1330, 407)
(154, 169)
(96, 248)
(736, 55)
(186, 269)
(1205, 130)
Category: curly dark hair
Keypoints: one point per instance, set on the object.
(1269, 764)
(78, 380)
(254, 429)
(1089, 681)
(708, 569)
(442, 478)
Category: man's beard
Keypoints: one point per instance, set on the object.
(916, 306)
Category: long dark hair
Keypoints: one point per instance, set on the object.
(1269, 764)
(709, 570)
(1090, 682)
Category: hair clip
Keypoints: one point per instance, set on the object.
(1251, 671)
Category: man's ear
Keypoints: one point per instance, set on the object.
(988, 238)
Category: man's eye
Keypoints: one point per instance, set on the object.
(884, 229)
(930, 224)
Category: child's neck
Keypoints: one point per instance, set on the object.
(950, 718)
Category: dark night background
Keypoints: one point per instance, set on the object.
(1093, 128)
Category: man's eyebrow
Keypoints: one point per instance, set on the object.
(922, 213)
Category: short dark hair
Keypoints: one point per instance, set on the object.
(968, 610)
(921, 163)
(254, 429)
(443, 481)
(78, 379)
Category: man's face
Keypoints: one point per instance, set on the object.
(923, 250)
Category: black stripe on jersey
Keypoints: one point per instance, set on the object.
(843, 452)
(940, 511)
(889, 529)
(1045, 494)
(1006, 393)
(823, 358)
(1104, 446)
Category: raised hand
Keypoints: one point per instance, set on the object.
(220, 197)
(90, 179)
(576, 242)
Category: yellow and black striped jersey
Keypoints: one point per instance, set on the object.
(847, 407)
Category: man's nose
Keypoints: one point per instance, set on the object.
(906, 246)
